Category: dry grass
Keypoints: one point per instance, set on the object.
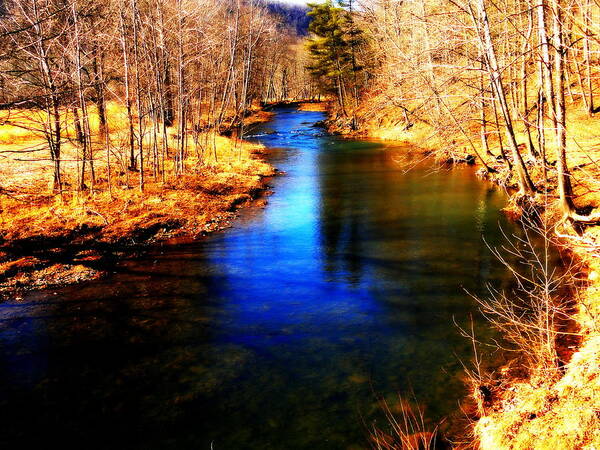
(35, 226)
(313, 106)
(561, 411)
(407, 429)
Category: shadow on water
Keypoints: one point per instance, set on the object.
(278, 333)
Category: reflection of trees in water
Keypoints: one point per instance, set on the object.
(416, 243)
(485, 260)
(405, 227)
(347, 216)
(340, 228)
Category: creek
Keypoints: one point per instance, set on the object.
(282, 332)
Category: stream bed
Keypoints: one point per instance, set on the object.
(282, 332)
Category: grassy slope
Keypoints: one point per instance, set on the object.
(48, 240)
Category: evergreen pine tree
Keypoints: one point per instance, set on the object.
(332, 47)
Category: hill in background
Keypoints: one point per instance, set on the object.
(293, 15)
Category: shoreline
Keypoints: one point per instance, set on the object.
(526, 411)
(79, 249)
(61, 242)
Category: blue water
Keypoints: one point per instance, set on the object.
(280, 333)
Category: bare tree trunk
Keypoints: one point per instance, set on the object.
(164, 91)
(565, 189)
(525, 58)
(586, 52)
(52, 102)
(545, 54)
(167, 96)
(97, 62)
(106, 136)
(125, 50)
(138, 89)
(524, 181)
(483, 126)
(498, 132)
(87, 135)
(541, 129)
(230, 80)
(181, 93)
(77, 124)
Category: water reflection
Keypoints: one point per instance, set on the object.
(279, 333)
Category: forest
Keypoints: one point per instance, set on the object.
(488, 78)
(101, 102)
(128, 124)
(165, 63)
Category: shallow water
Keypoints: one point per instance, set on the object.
(280, 333)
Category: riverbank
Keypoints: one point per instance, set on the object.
(302, 318)
(531, 407)
(49, 240)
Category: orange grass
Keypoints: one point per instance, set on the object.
(220, 174)
(313, 106)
